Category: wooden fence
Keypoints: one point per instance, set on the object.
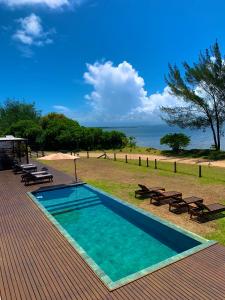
(156, 164)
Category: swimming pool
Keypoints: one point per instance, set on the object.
(120, 242)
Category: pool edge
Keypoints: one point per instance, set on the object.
(135, 276)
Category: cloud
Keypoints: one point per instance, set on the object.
(52, 4)
(62, 109)
(49, 3)
(150, 105)
(66, 111)
(119, 94)
(31, 33)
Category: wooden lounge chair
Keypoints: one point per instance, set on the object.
(38, 178)
(27, 174)
(144, 191)
(183, 204)
(163, 197)
(29, 168)
(202, 210)
(18, 168)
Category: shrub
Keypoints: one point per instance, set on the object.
(217, 155)
(176, 141)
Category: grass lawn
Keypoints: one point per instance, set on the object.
(120, 179)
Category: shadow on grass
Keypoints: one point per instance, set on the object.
(209, 219)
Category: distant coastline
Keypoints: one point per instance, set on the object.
(118, 127)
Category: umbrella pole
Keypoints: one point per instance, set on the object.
(75, 170)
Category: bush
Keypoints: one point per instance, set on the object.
(176, 141)
(217, 155)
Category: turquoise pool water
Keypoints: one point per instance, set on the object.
(118, 239)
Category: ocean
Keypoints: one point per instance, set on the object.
(149, 136)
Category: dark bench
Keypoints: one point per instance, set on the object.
(40, 178)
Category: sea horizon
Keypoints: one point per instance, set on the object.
(149, 135)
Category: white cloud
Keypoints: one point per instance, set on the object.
(31, 33)
(49, 3)
(66, 111)
(62, 109)
(52, 4)
(119, 94)
(152, 103)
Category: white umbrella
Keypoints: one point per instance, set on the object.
(61, 156)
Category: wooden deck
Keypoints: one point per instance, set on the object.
(37, 262)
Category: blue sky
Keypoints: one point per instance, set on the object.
(101, 61)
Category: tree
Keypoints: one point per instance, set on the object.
(114, 139)
(176, 141)
(13, 111)
(54, 131)
(27, 129)
(59, 132)
(201, 92)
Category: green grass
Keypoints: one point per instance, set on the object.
(219, 233)
(210, 175)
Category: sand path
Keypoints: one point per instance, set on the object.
(193, 161)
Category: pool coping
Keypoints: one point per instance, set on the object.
(137, 275)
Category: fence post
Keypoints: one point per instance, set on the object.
(139, 161)
(87, 154)
(199, 171)
(175, 167)
(114, 156)
(126, 159)
(147, 164)
(155, 163)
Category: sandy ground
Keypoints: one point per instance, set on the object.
(193, 161)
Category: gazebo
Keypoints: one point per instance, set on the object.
(12, 148)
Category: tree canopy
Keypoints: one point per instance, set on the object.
(176, 141)
(13, 111)
(54, 131)
(201, 92)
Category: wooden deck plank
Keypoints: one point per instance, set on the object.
(11, 263)
(22, 249)
(64, 265)
(37, 262)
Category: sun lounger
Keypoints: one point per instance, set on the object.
(27, 174)
(163, 197)
(38, 178)
(180, 204)
(144, 191)
(202, 210)
(24, 167)
(30, 168)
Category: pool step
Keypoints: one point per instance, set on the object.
(77, 206)
(73, 202)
